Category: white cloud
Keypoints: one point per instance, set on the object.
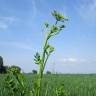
(70, 60)
(5, 22)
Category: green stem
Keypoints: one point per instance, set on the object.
(43, 63)
(46, 61)
(41, 68)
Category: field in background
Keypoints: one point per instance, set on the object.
(75, 85)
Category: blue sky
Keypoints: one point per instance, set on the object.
(21, 25)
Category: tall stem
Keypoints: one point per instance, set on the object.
(42, 64)
(41, 68)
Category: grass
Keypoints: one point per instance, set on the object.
(75, 85)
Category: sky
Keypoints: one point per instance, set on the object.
(22, 35)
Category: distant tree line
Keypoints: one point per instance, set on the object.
(35, 72)
(5, 69)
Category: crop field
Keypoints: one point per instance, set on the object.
(74, 85)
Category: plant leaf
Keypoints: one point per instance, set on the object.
(46, 24)
(37, 58)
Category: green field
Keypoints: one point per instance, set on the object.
(75, 85)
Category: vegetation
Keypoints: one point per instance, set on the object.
(3, 69)
(34, 71)
(47, 48)
(1, 61)
(13, 67)
(74, 85)
(15, 82)
(48, 72)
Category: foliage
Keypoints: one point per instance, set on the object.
(74, 85)
(47, 48)
(34, 71)
(1, 61)
(15, 80)
(48, 72)
(14, 69)
(3, 69)
(60, 90)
